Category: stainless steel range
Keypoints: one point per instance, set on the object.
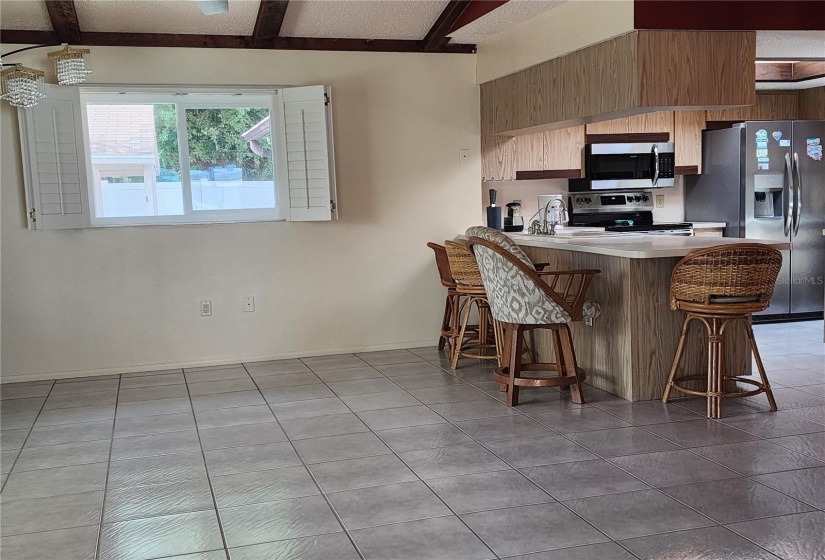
(620, 212)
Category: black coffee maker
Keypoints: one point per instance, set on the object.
(514, 221)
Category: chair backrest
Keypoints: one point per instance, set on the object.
(443, 264)
(740, 274)
(515, 292)
(495, 236)
(463, 265)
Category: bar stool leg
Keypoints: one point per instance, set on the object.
(446, 321)
(570, 368)
(714, 374)
(761, 367)
(459, 343)
(676, 359)
(515, 337)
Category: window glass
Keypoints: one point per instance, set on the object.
(230, 158)
(135, 160)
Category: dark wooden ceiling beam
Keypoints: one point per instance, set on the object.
(436, 37)
(268, 25)
(100, 39)
(63, 15)
(476, 9)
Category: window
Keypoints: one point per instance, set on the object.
(163, 156)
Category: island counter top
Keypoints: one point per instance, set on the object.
(630, 245)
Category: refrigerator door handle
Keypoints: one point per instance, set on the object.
(790, 209)
(798, 182)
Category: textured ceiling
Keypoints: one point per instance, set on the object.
(507, 16)
(790, 44)
(361, 19)
(24, 14)
(165, 16)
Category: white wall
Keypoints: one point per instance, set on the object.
(571, 26)
(126, 299)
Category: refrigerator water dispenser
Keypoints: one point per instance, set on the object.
(767, 196)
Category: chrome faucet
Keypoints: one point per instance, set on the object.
(546, 227)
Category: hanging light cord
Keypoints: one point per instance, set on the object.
(26, 49)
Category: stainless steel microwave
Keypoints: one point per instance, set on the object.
(615, 167)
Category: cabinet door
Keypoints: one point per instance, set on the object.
(530, 152)
(658, 121)
(563, 148)
(768, 107)
(613, 126)
(688, 126)
(498, 158)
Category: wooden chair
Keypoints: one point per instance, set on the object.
(521, 300)
(717, 287)
(449, 323)
(468, 281)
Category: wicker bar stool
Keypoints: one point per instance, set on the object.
(450, 321)
(468, 281)
(521, 300)
(717, 287)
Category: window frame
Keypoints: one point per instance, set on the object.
(225, 98)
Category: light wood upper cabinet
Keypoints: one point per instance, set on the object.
(783, 106)
(657, 121)
(563, 148)
(687, 135)
(498, 155)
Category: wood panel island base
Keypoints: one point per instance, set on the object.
(630, 347)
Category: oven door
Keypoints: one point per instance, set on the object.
(629, 166)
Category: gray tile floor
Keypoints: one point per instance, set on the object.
(389, 455)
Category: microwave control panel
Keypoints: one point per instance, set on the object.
(667, 165)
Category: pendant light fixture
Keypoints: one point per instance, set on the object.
(70, 65)
(24, 87)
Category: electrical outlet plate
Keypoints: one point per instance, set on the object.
(206, 308)
(660, 201)
(249, 304)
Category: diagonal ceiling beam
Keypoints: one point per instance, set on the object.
(268, 25)
(437, 35)
(64, 20)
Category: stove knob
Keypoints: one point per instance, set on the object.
(588, 200)
(645, 198)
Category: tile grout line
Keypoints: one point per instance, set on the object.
(31, 429)
(108, 471)
(397, 456)
(306, 466)
(206, 467)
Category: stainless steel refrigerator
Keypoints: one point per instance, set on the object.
(766, 180)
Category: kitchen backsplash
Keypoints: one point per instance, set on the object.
(528, 193)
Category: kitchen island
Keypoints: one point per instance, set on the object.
(629, 349)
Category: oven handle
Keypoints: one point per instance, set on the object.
(654, 152)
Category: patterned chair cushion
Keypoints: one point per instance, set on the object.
(515, 297)
(495, 236)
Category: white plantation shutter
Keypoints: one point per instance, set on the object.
(307, 137)
(54, 165)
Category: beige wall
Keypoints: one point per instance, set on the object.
(124, 299)
(571, 26)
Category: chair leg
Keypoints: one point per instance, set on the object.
(761, 368)
(460, 341)
(714, 380)
(445, 322)
(506, 351)
(676, 359)
(570, 368)
(515, 338)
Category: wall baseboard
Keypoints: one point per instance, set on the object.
(211, 362)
